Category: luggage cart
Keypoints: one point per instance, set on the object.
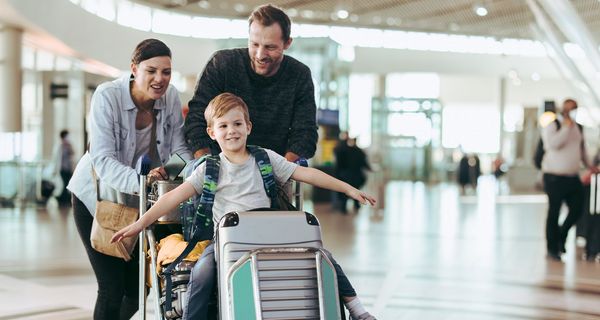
(287, 271)
(164, 226)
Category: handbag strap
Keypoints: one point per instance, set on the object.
(96, 182)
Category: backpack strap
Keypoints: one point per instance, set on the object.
(266, 172)
(203, 218)
(188, 208)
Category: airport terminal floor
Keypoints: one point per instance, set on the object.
(431, 254)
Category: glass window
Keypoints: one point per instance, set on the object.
(410, 125)
(171, 23)
(28, 58)
(362, 88)
(412, 85)
(44, 61)
(216, 28)
(107, 10)
(90, 5)
(474, 128)
(135, 16)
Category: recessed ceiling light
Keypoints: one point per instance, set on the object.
(342, 14)
(454, 27)
(481, 10)
(239, 7)
(535, 76)
(308, 14)
(204, 4)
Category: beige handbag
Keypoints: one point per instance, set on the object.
(110, 218)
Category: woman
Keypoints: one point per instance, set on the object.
(123, 115)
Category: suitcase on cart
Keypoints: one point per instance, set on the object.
(271, 265)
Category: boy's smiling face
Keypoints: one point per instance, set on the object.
(231, 131)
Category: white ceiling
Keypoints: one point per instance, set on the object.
(505, 19)
(86, 36)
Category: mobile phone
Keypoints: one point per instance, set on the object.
(174, 166)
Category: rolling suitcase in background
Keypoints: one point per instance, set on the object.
(271, 265)
(592, 246)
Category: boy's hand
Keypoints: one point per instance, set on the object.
(362, 197)
(129, 231)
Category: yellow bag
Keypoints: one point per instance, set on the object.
(170, 247)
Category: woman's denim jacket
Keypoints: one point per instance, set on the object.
(113, 142)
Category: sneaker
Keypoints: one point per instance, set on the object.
(553, 256)
(364, 316)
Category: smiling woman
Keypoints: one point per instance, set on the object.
(125, 116)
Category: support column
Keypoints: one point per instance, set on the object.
(10, 79)
(502, 106)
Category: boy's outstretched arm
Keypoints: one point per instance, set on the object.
(321, 179)
(164, 205)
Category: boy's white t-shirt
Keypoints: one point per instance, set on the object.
(240, 186)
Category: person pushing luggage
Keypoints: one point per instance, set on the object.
(240, 187)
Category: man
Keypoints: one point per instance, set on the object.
(278, 90)
(564, 150)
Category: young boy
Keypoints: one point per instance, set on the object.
(240, 187)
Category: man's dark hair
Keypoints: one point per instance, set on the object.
(149, 49)
(268, 14)
(64, 133)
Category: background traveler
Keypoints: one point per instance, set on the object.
(65, 165)
(564, 151)
(469, 171)
(123, 114)
(278, 90)
(351, 163)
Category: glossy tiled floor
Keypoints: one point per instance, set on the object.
(431, 254)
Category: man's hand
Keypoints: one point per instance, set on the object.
(291, 157)
(594, 169)
(200, 152)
